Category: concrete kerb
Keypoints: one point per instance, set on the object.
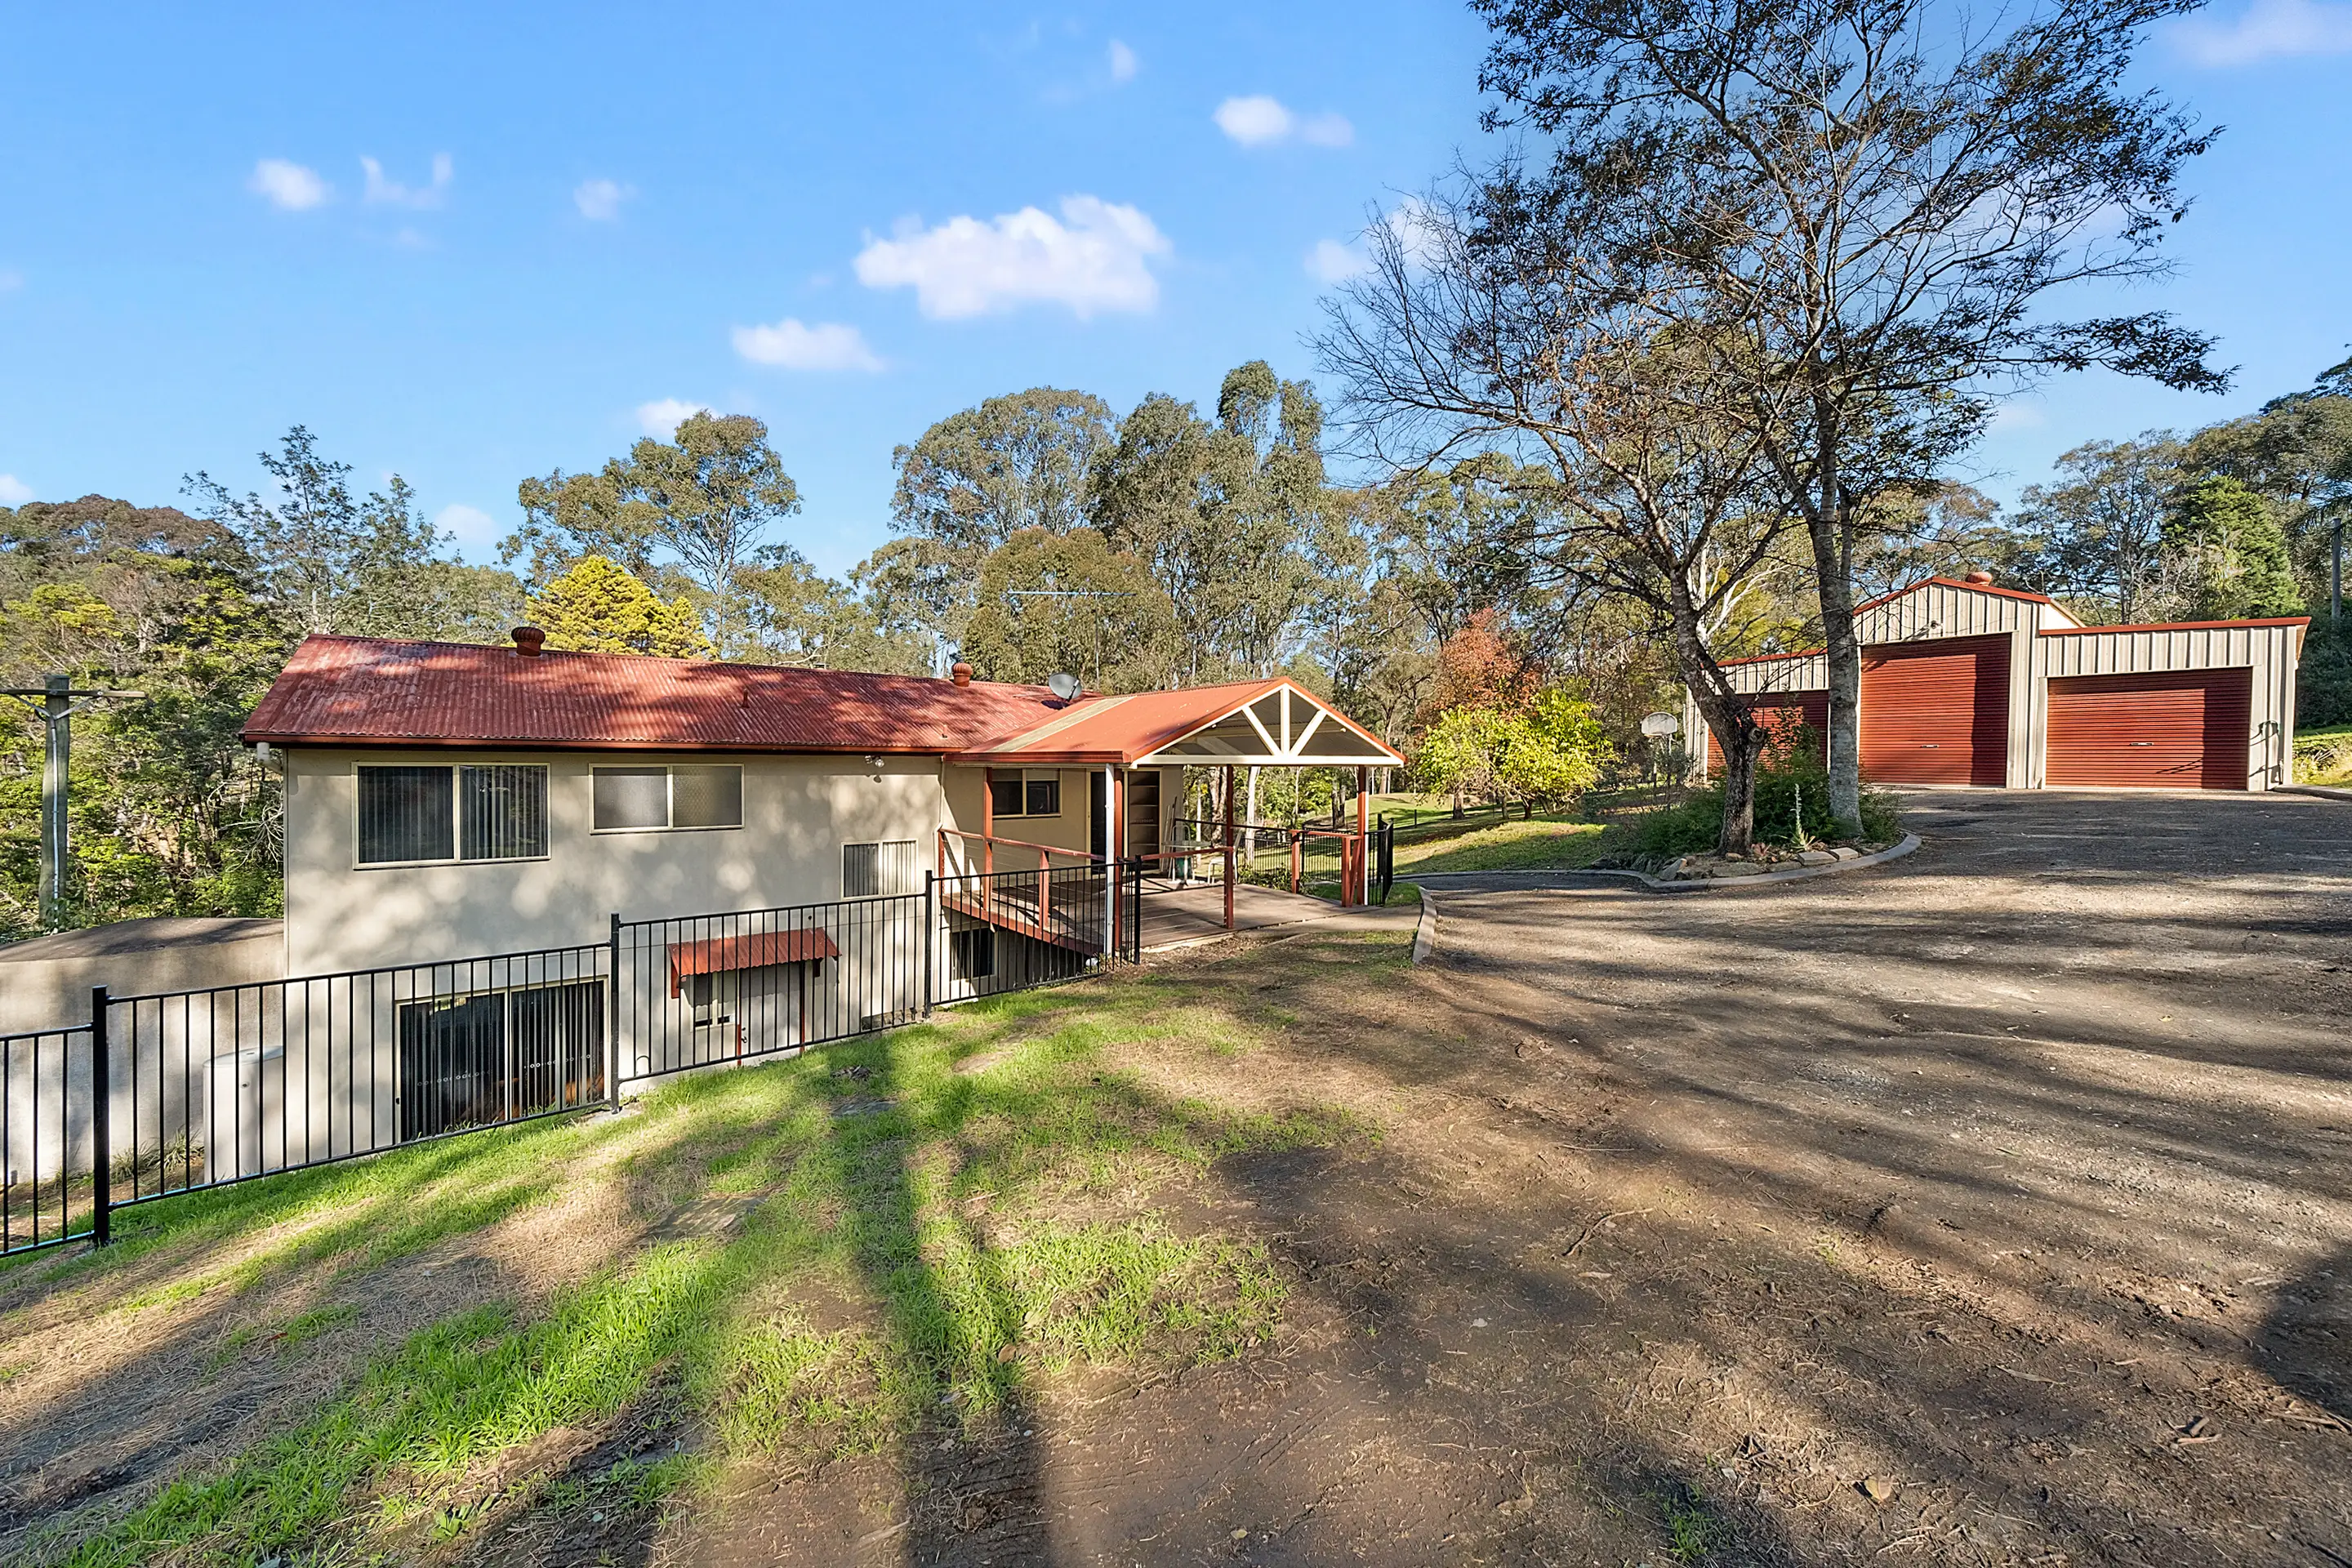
(2323, 792)
(1681, 885)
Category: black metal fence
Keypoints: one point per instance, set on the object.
(173, 1092)
(44, 1138)
(706, 989)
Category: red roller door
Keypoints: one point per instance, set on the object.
(1781, 713)
(2187, 729)
(1937, 712)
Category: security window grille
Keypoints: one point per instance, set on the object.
(404, 815)
(1025, 794)
(502, 812)
(492, 812)
(687, 795)
(873, 870)
(706, 796)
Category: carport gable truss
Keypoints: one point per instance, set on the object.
(1269, 723)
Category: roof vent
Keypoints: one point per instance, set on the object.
(960, 673)
(529, 641)
(1980, 577)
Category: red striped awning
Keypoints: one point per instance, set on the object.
(719, 954)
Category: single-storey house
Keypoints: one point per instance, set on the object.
(444, 800)
(1967, 683)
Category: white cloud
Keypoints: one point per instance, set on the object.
(1327, 131)
(2017, 416)
(1262, 122)
(663, 416)
(14, 491)
(2267, 29)
(1123, 63)
(828, 345)
(465, 521)
(1092, 259)
(1252, 121)
(392, 193)
(1332, 262)
(599, 201)
(288, 185)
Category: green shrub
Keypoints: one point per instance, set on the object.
(1788, 774)
(2323, 681)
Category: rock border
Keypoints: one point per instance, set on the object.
(1701, 884)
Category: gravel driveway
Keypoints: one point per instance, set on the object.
(2063, 1100)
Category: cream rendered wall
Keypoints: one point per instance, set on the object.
(797, 814)
(1065, 831)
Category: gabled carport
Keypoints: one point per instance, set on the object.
(1127, 739)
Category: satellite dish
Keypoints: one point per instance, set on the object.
(1062, 684)
(1657, 724)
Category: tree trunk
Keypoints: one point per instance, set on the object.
(1828, 525)
(1727, 715)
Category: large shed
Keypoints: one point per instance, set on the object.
(1967, 683)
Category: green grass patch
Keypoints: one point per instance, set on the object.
(2324, 755)
(925, 1244)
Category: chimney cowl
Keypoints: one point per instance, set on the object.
(1981, 577)
(529, 641)
(960, 673)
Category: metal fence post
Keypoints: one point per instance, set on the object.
(930, 937)
(101, 1116)
(612, 1017)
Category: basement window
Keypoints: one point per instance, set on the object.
(668, 797)
(418, 815)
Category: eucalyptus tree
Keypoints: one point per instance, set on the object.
(979, 477)
(1868, 205)
(704, 504)
(1488, 329)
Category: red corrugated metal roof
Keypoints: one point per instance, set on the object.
(1120, 729)
(373, 691)
(760, 949)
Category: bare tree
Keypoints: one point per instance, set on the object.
(1869, 203)
(1477, 327)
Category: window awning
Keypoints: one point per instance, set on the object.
(760, 949)
(1257, 724)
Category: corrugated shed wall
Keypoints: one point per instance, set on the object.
(2041, 647)
(2268, 651)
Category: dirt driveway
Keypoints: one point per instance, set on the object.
(1991, 1208)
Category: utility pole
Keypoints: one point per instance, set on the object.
(56, 704)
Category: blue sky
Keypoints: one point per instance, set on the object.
(475, 243)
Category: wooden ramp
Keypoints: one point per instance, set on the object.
(1073, 916)
(1174, 917)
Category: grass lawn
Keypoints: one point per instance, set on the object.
(2324, 756)
(797, 1262)
(1545, 843)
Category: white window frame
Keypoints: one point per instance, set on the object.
(457, 856)
(881, 863)
(669, 797)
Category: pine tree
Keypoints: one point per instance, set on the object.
(2239, 556)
